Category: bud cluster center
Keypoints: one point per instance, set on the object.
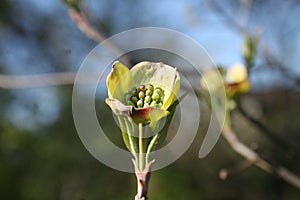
(144, 96)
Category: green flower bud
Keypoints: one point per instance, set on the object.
(130, 103)
(158, 90)
(149, 92)
(134, 99)
(147, 99)
(155, 96)
(149, 87)
(249, 49)
(140, 103)
(162, 99)
(135, 94)
(142, 88)
(153, 104)
(144, 96)
(141, 95)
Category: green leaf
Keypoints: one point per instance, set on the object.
(128, 129)
(161, 135)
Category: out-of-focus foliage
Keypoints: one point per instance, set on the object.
(41, 155)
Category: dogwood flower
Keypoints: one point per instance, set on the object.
(143, 93)
(236, 80)
(140, 98)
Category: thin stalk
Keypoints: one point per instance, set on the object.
(141, 147)
(150, 147)
(129, 130)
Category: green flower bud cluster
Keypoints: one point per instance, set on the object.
(144, 96)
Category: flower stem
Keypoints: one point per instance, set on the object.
(143, 177)
(150, 147)
(129, 130)
(141, 147)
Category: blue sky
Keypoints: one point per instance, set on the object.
(195, 18)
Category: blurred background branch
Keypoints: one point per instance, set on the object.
(38, 80)
(78, 14)
(256, 159)
(282, 142)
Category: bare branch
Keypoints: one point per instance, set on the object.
(254, 157)
(80, 18)
(273, 62)
(229, 19)
(82, 22)
(224, 173)
(42, 80)
(282, 142)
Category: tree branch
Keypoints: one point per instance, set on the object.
(224, 173)
(43, 80)
(271, 61)
(230, 20)
(80, 18)
(275, 137)
(254, 157)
